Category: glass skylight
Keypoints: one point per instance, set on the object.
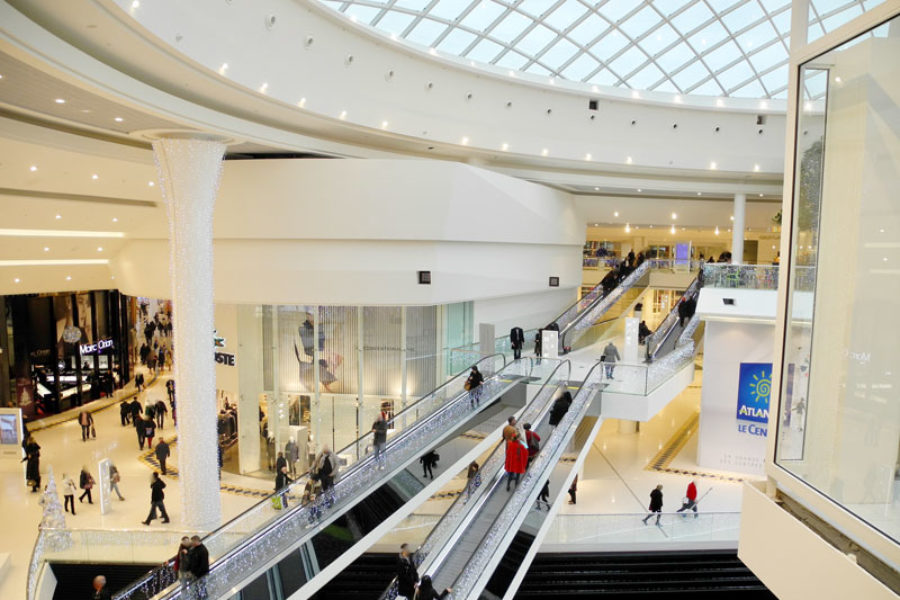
(735, 48)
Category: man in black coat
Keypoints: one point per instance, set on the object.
(199, 561)
(656, 504)
(162, 453)
(560, 408)
(516, 341)
(407, 576)
(156, 501)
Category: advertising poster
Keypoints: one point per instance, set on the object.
(754, 389)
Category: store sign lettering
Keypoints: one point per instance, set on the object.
(97, 348)
(223, 358)
(754, 389)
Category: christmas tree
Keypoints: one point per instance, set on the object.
(53, 521)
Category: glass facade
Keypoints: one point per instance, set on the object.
(839, 420)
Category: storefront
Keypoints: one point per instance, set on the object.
(65, 349)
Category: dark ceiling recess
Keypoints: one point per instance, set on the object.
(592, 105)
(271, 155)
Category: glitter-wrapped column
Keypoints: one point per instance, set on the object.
(189, 168)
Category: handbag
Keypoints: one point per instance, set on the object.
(468, 385)
(93, 432)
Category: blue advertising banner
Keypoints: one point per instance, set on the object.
(754, 389)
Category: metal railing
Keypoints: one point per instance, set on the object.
(656, 339)
(263, 530)
(755, 277)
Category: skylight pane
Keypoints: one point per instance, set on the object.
(537, 69)
(757, 36)
(742, 16)
(709, 88)
(720, 6)
(607, 47)
(670, 6)
(675, 57)
(580, 68)
(667, 86)
(645, 77)
(483, 15)
(769, 57)
(535, 8)
(824, 7)
(447, 9)
(659, 39)
(616, 9)
(563, 17)
(418, 5)
(395, 22)
(628, 62)
(645, 20)
(485, 51)
(559, 53)
(456, 41)
(690, 75)
(773, 5)
(736, 75)
(604, 77)
(782, 22)
(709, 36)
(588, 30)
(536, 40)
(722, 56)
(776, 79)
(510, 27)
(692, 18)
(426, 32)
(751, 90)
(833, 22)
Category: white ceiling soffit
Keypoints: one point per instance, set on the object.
(730, 48)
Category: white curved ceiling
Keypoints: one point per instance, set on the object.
(735, 48)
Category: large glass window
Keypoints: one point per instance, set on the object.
(839, 426)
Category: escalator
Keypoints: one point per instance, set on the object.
(664, 339)
(304, 545)
(469, 548)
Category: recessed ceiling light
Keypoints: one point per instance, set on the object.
(732, 217)
(343, 115)
(587, 156)
(58, 217)
(672, 230)
(17, 280)
(674, 216)
(46, 248)
(32, 168)
(838, 79)
(640, 190)
(627, 160)
(118, 119)
(151, 183)
(384, 124)
(302, 102)
(616, 214)
(95, 177)
(545, 152)
(713, 166)
(223, 68)
(760, 195)
(504, 147)
(596, 189)
(464, 141)
(99, 248)
(115, 219)
(699, 193)
(263, 88)
(68, 278)
(1, 76)
(756, 168)
(136, 4)
(60, 101)
(881, 231)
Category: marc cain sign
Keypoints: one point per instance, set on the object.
(96, 348)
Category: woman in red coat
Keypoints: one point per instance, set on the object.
(516, 460)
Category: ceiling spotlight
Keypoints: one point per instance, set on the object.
(672, 230)
(16, 280)
(674, 216)
(616, 214)
(627, 228)
(640, 190)
(760, 195)
(545, 152)
(596, 189)
(58, 217)
(68, 278)
(136, 4)
(384, 124)
(699, 193)
(504, 147)
(151, 183)
(837, 79)
(115, 219)
(46, 248)
(118, 119)
(60, 101)
(263, 88)
(756, 168)
(712, 165)
(302, 102)
(465, 141)
(732, 217)
(223, 68)
(587, 156)
(343, 115)
(95, 177)
(99, 248)
(627, 160)
(717, 230)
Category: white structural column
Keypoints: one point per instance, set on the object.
(189, 170)
(737, 229)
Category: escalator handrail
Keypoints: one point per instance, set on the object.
(153, 574)
(613, 296)
(548, 457)
(667, 326)
(269, 529)
(420, 554)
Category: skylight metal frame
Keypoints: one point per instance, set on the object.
(535, 61)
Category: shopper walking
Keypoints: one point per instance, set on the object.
(125, 412)
(32, 462)
(473, 385)
(609, 358)
(170, 391)
(573, 491)
(139, 380)
(135, 407)
(379, 439)
(282, 480)
(538, 341)
(429, 462)
(656, 504)
(162, 453)
(516, 460)
(516, 341)
(157, 496)
(149, 431)
(690, 499)
(139, 429)
(544, 496)
(426, 591)
(326, 470)
(114, 479)
(86, 420)
(69, 491)
(161, 412)
(86, 482)
(510, 432)
(407, 575)
(473, 479)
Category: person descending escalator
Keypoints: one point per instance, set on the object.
(473, 386)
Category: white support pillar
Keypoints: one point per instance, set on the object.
(189, 168)
(737, 229)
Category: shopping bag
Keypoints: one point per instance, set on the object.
(276, 502)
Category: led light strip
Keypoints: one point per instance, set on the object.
(59, 233)
(54, 263)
